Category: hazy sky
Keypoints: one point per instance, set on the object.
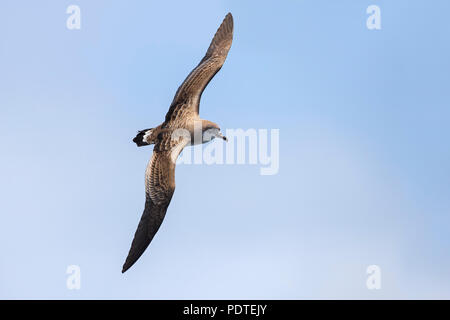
(364, 176)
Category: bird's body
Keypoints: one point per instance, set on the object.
(182, 127)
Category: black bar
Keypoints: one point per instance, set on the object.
(225, 309)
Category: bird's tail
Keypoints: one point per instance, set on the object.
(143, 137)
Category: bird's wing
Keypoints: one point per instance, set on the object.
(159, 188)
(187, 98)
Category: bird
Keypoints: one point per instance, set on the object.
(182, 127)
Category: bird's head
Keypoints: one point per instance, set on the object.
(211, 130)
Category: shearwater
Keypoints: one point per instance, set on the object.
(183, 116)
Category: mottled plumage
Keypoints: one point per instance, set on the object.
(183, 114)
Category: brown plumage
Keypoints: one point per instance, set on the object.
(183, 114)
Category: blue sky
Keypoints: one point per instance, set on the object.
(364, 159)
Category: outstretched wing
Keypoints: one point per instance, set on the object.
(187, 98)
(159, 188)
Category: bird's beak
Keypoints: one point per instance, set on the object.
(220, 135)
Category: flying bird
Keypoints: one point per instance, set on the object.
(181, 127)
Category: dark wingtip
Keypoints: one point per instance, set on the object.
(125, 268)
(229, 16)
(130, 261)
(229, 19)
